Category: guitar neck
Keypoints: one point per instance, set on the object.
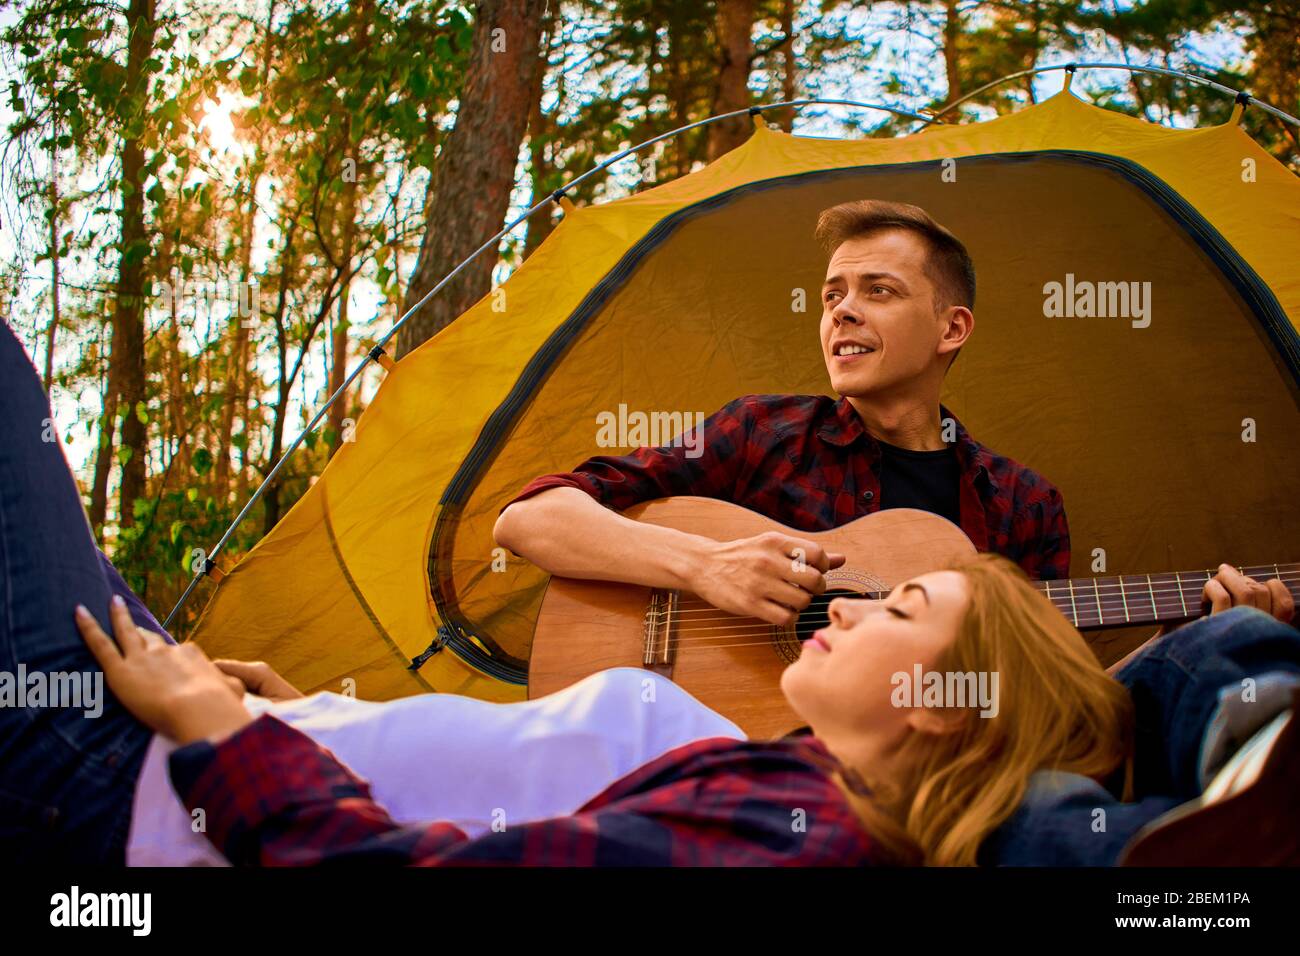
(1147, 598)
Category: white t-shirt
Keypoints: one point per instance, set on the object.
(466, 761)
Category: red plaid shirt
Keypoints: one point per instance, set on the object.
(272, 796)
(808, 462)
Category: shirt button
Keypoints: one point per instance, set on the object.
(868, 495)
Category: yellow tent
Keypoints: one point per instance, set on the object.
(687, 295)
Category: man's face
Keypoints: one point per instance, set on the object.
(877, 296)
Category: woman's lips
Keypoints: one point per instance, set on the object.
(818, 641)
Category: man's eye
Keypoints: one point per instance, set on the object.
(897, 613)
(880, 288)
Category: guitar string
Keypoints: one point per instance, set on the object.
(1108, 615)
(698, 605)
(1113, 591)
(710, 641)
(1133, 616)
(1157, 587)
(1086, 612)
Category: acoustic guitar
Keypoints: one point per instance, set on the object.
(733, 664)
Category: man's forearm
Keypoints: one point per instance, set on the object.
(565, 531)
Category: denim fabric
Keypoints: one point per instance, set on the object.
(1187, 687)
(66, 779)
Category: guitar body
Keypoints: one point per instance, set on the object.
(731, 664)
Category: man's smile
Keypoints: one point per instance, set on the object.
(846, 352)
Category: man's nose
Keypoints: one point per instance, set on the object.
(841, 316)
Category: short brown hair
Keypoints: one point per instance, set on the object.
(948, 265)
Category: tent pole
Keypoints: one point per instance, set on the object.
(1071, 67)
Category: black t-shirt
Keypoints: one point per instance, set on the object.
(928, 480)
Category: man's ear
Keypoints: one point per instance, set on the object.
(961, 323)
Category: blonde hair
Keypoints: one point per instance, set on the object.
(1058, 709)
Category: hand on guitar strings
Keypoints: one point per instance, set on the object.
(771, 576)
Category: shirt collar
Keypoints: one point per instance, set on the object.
(844, 427)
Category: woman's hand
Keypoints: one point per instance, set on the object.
(171, 688)
(258, 678)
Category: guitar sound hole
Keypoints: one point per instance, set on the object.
(814, 616)
(811, 618)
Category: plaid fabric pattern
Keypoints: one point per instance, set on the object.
(273, 797)
(808, 462)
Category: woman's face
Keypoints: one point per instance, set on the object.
(841, 684)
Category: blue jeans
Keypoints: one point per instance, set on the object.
(67, 774)
(1187, 690)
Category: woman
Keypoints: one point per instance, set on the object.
(879, 780)
(875, 782)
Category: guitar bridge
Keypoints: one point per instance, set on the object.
(660, 631)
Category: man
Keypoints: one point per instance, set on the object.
(896, 309)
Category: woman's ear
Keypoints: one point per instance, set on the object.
(924, 720)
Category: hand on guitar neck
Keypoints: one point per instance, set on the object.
(1230, 588)
(771, 576)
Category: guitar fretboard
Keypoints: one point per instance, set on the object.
(1147, 598)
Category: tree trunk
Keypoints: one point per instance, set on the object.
(98, 512)
(237, 376)
(271, 496)
(678, 87)
(951, 54)
(735, 34)
(541, 223)
(52, 332)
(348, 213)
(128, 318)
(339, 344)
(237, 373)
(169, 358)
(789, 75)
(477, 166)
(650, 124)
(175, 358)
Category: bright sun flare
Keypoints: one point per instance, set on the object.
(219, 127)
